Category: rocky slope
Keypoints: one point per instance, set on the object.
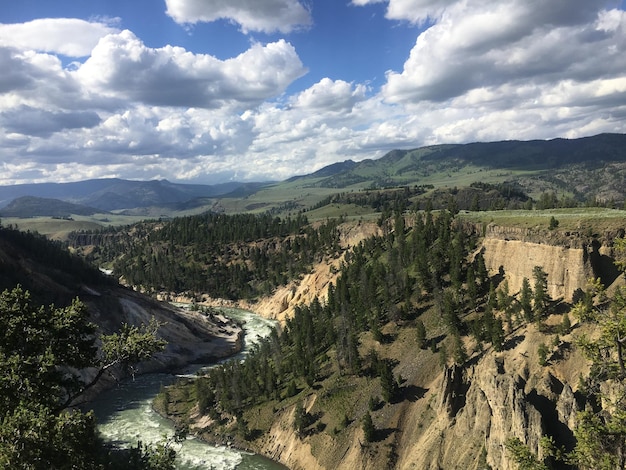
(462, 417)
(192, 337)
(502, 395)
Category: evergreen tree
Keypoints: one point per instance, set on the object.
(472, 288)
(387, 382)
(420, 334)
(369, 431)
(525, 300)
(459, 354)
(497, 335)
(300, 419)
(482, 276)
(540, 292)
(451, 312)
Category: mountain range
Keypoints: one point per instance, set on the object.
(589, 167)
(114, 194)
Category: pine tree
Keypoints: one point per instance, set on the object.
(387, 382)
(300, 419)
(497, 335)
(420, 334)
(525, 300)
(540, 292)
(459, 354)
(369, 431)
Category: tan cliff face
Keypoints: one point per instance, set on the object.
(568, 268)
(569, 259)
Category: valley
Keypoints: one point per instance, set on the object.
(434, 310)
(446, 413)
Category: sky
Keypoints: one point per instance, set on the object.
(209, 91)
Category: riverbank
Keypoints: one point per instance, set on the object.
(171, 406)
(178, 407)
(192, 337)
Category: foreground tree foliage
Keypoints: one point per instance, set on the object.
(41, 350)
(601, 431)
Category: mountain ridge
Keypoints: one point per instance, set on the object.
(32, 206)
(589, 167)
(114, 193)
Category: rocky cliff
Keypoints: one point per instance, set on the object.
(502, 395)
(466, 414)
(569, 259)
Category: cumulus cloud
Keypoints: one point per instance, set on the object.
(415, 11)
(252, 15)
(481, 44)
(479, 70)
(37, 122)
(337, 95)
(71, 37)
(122, 66)
(37, 80)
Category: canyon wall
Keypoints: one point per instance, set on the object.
(568, 268)
(467, 413)
(569, 259)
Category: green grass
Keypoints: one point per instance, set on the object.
(576, 219)
(59, 228)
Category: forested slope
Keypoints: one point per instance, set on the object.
(229, 256)
(402, 350)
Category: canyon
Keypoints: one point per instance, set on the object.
(464, 415)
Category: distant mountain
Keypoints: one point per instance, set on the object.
(114, 194)
(328, 171)
(591, 166)
(585, 168)
(30, 206)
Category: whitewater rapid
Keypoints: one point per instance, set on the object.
(125, 414)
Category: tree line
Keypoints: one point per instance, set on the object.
(229, 256)
(382, 280)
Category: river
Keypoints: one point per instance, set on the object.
(125, 413)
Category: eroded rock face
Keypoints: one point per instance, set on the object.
(569, 258)
(495, 408)
(567, 268)
(500, 396)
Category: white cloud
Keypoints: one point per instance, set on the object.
(122, 66)
(67, 36)
(480, 70)
(330, 95)
(415, 11)
(253, 15)
(479, 44)
(37, 80)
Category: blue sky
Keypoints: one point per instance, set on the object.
(215, 90)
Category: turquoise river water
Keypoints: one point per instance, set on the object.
(125, 414)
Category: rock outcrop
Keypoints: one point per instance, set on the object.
(569, 259)
(502, 395)
(568, 268)
(468, 413)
